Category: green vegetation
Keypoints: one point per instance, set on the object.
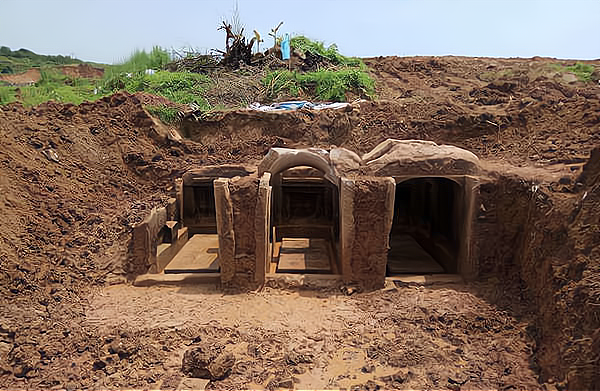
(139, 61)
(178, 87)
(166, 114)
(331, 53)
(7, 95)
(327, 85)
(23, 59)
(343, 75)
(584, 72)
(53, 85)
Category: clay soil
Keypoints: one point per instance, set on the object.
(74, 178)
(20, 79)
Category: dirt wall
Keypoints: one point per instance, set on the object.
(252, 133)
(541, 247)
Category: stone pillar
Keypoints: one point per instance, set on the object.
(263, 224)
(468, 266)
(224, 211)
(244, 195)
(144, 241)
(346, 227)
(367, 208)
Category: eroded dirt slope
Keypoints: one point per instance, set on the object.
(72, 179)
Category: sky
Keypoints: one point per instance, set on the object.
(107, 31)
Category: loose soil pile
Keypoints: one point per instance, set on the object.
(74, 178)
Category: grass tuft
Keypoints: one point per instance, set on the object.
(140, 60)
(584, 72)
(166, 114)
(326, 85)
(7, 95)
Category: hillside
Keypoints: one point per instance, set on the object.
(16, 61)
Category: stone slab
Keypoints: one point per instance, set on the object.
(166, 251)
(192, 383)
(304, 255)
(199, 254)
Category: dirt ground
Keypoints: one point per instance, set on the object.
(22, 79)
(74, 178)
(409, 337)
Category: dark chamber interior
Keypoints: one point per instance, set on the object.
(425, 235)
(199, 213)
(305, 206)
(305, 221)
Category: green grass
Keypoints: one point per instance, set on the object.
(347, 74)
(53, 86)
(178, 87)
(584, 72)
(325, 85)
(166, 114)
(331, 52)
(139, 61)
(7, 95)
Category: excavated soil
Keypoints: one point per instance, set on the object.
(82, 70)
(74, 178)
(21, 79)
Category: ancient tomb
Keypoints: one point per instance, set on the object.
(404, 208)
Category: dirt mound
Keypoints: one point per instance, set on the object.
(250, 134)
(515, 109)
(72, 179)
(22, 79)
(82, 71)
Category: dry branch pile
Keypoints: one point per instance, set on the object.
(238, 50)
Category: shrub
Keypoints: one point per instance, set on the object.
(330, 53)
